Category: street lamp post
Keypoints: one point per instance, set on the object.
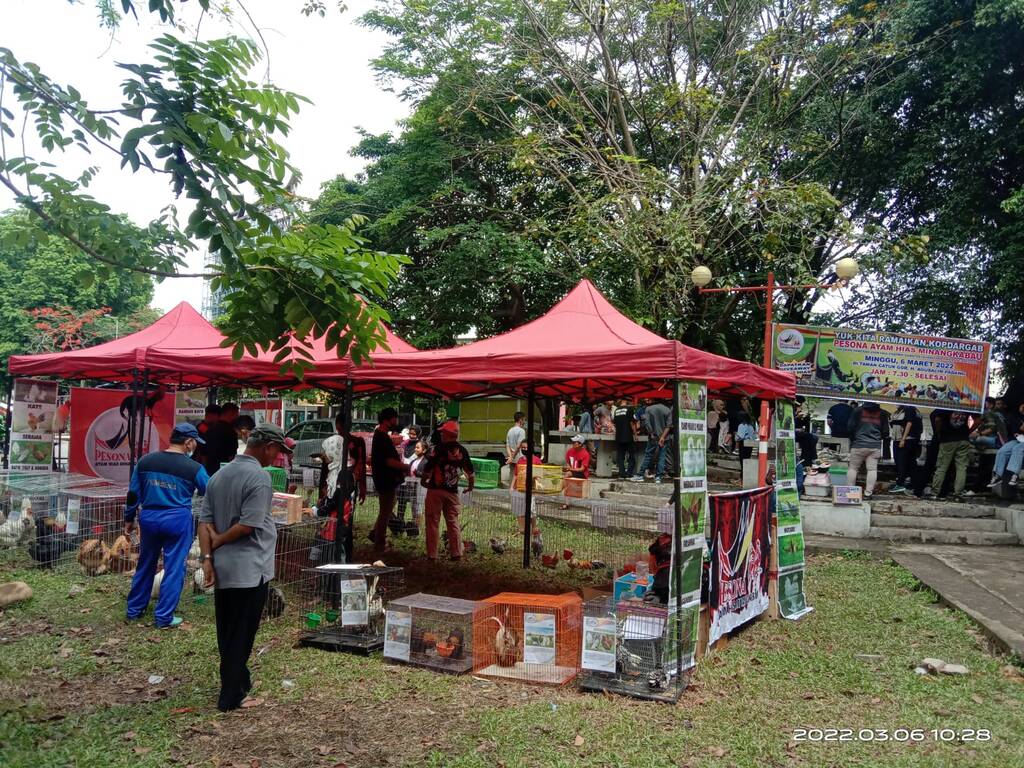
(846, 269)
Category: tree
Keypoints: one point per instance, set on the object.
(940, 156)
(192, 116)
(446, 192)
(40, 271)
(676, 134)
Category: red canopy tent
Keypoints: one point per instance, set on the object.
(582, 349)
(182, 348)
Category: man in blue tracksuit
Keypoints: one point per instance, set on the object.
(162, 485)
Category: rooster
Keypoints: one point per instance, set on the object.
(506, 643)
(122, 559)
(47, 544)
(498, 546)
(94, 557)
(537, 544)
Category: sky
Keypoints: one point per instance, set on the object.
(324, 59)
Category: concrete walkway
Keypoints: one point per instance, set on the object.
(986, 583)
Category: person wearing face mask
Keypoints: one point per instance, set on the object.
(160, 496)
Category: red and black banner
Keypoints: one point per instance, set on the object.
(740, 550)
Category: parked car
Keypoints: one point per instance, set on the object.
(309, 437)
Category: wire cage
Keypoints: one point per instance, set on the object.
(345, 607)
(93, 520)
(629, 648)
(528, 638)
(431, 631)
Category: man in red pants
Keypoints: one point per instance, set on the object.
(441, 470)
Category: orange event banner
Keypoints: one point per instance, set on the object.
(883, 367)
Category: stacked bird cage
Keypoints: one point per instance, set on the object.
(345, 607)
(528, 638)
(93, 519)
(431, 631)
(629, 648)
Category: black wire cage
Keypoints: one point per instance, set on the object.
(345, 606)
(630, 648)
(431, 631)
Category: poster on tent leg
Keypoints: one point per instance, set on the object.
(99, 430)
(883, 367)
(33, 408)
(189, 406)
(740, 546)
(789, 528)
(693, 501)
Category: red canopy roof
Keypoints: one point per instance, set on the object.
(181, 348)
(582, 349)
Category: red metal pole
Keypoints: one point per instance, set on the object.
(765, 427)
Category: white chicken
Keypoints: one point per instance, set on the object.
(19, 530)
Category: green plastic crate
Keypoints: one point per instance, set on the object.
(278, 478)
(487, 472)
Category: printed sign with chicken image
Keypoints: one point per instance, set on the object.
(32, 411)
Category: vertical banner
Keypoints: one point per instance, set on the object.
(189, 405)
(99, 429)
(739, 549)
(693, 501)
(789, 528)
(32, 414)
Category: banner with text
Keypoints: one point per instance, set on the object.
(190, 406)
(693, 505)
(100, 430)
(32, 412)
(739, 549)
(789, 528)
(883, 367)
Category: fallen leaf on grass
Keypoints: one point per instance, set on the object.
(578, 741)
(976, 699)
(250, 703)
(182, 710)
(808, 696)
(718, 751)
(142, 750)
(128, 735)
(323, 749)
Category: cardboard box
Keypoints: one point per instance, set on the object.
(847, 495)
(629, 586)
(286, 508)
(577, 488)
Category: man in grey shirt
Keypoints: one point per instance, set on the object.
(514, 438)
(237, 538)
(658, 418)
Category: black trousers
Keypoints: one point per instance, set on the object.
(238, 617)
(626, 458)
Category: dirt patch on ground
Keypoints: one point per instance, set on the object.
(326, 730)
(56, 697)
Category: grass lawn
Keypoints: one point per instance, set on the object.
(75, 688)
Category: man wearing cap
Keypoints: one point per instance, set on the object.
(441, 471)
(237, 539)
(162, 486)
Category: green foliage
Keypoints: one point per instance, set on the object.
(937, 153)
(191, 115)
(38, 270)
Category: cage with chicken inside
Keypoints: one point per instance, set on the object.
(629, 647)
(431, 631)
(343, 606)
(528, 638)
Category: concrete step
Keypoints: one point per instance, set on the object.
(918, 522)
(649, 488)
(931, 508)
(943, 537)
(645, 500)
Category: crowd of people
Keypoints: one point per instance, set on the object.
(955, 435)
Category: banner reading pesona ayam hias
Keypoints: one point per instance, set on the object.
(740, 550)
(883, 367)
(100, 420)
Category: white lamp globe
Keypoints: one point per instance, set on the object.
(847, 268)
(701, 276)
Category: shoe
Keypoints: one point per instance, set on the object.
(1013, 481)
(867, 495)
(657, 480)
(897, 489)
(968, 494)
(928, 492)
(636, 479)
(995, 481)
(176, 621)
